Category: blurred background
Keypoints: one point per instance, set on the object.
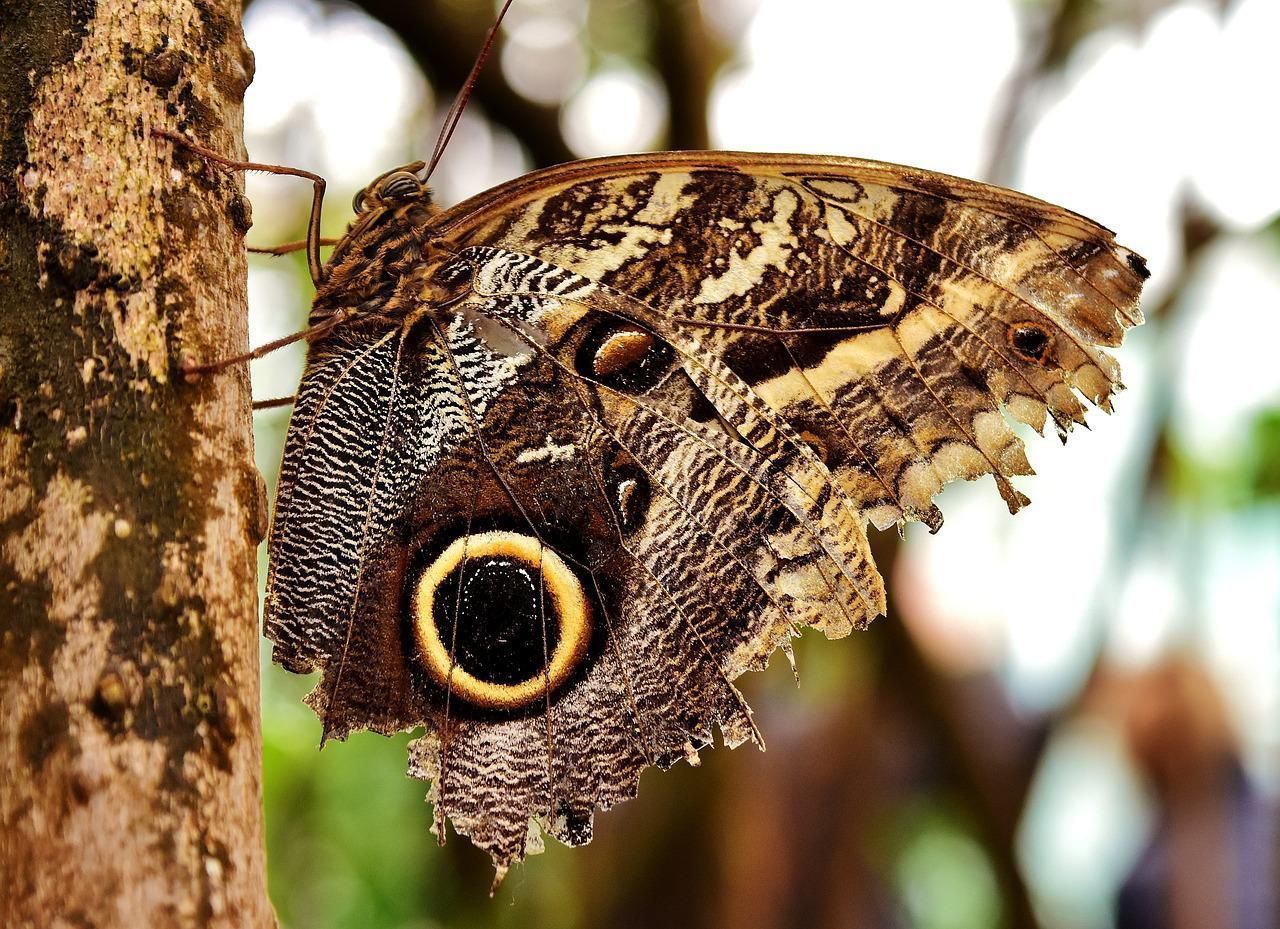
(1012, 746)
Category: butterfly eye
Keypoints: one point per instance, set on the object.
(1031, 342)
(399, 186)
(500, 620)
(358, 204)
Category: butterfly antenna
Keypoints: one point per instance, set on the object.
(460, 102)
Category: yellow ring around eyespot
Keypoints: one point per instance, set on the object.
(566, 594)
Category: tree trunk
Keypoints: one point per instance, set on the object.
(130, 757)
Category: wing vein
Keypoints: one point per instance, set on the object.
(1048, 311)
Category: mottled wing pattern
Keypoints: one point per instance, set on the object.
(551, 519)
(662, 520)
(969, 298)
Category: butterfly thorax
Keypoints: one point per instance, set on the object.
(384, 245)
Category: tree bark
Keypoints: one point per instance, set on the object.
(130, 788)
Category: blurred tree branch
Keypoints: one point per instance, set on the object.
(1048, 36)
(988, 758)
(1149, 464)
(443, 39)
(1051, 31)
(686, 58)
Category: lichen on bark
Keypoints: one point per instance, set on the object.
(129, 743)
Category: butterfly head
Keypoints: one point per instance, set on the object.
(405, 184)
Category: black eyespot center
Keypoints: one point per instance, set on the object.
(624, 355)
(1031, 341)
(494, 625)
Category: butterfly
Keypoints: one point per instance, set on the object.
(569, 457)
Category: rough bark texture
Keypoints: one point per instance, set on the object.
(129, 505)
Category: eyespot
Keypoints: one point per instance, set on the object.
(622, 349)
(1031, 341)
(500, 620)
(630, 493)
(818, 445)
(399, 186)
(621, 354)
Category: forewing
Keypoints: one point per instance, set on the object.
(885, 313)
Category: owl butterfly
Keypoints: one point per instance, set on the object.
(586, 447)
(571, 456)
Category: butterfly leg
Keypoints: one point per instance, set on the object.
(313, 240)
(273, 403)
(288, 247)
(193, 369)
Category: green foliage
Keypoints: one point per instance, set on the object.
(943, 877)
(1261, 464)
(1243, 476)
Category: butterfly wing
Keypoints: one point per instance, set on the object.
(887, 312)
(553, 524)
(533, 506)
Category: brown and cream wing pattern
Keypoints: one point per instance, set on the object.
(886, 313)
(551, 518)
(541, 552)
